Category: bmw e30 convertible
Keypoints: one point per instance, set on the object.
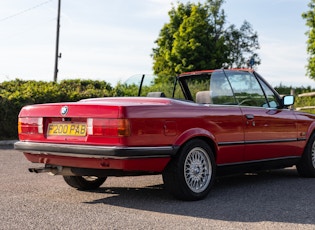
(207, 123)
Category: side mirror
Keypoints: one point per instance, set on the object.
(288, 100)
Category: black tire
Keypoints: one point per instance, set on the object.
(84, 182)
(190, 175)
(306, 166)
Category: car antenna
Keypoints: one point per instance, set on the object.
(140, 87)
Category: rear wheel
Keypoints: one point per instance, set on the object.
(190, 175)
(84, 182)
(306, 167)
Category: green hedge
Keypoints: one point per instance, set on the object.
(299, 101)
(18, 93)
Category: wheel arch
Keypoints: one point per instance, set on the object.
(306, 165)
(197, 133)
(308, 135)
(310, 131)
(192, 171)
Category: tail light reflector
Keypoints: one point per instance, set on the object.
(30, 125)
(108, 127)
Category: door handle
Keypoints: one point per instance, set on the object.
(249, 116)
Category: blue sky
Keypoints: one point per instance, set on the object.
(112, 40)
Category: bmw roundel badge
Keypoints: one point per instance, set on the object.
(64, 110)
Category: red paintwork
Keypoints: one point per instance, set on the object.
(211, 71)
(145, 165)
(158, 122)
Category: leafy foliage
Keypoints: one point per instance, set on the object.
(123, 89)
(196, 39)
(299, 101)
(241, 44)
(18, 93)
(309, 16)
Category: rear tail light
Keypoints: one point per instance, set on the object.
(108, 127)
(30, 125)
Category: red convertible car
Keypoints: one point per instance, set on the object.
(205, 124)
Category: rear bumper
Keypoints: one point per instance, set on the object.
(92, 151)
(139, 159)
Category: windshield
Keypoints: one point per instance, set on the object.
(228, 87)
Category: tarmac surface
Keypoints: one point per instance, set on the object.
(278, 199)
(7, 143)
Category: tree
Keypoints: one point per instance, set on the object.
(196, 39)
(242, 43)
(309, 16)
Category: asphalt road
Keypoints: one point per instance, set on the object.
(271, 200)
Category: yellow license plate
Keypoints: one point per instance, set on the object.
(71, 129)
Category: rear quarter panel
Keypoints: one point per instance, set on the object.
(178, 122)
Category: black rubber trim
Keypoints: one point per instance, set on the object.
(95, 151)
(259, 142)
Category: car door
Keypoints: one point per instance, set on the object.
(270, 132)
(225, 112)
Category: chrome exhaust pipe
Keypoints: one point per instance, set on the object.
(39, 170)
(53, 170)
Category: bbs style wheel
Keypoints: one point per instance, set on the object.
(84, 182)
(306, 166)
(190, 175)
